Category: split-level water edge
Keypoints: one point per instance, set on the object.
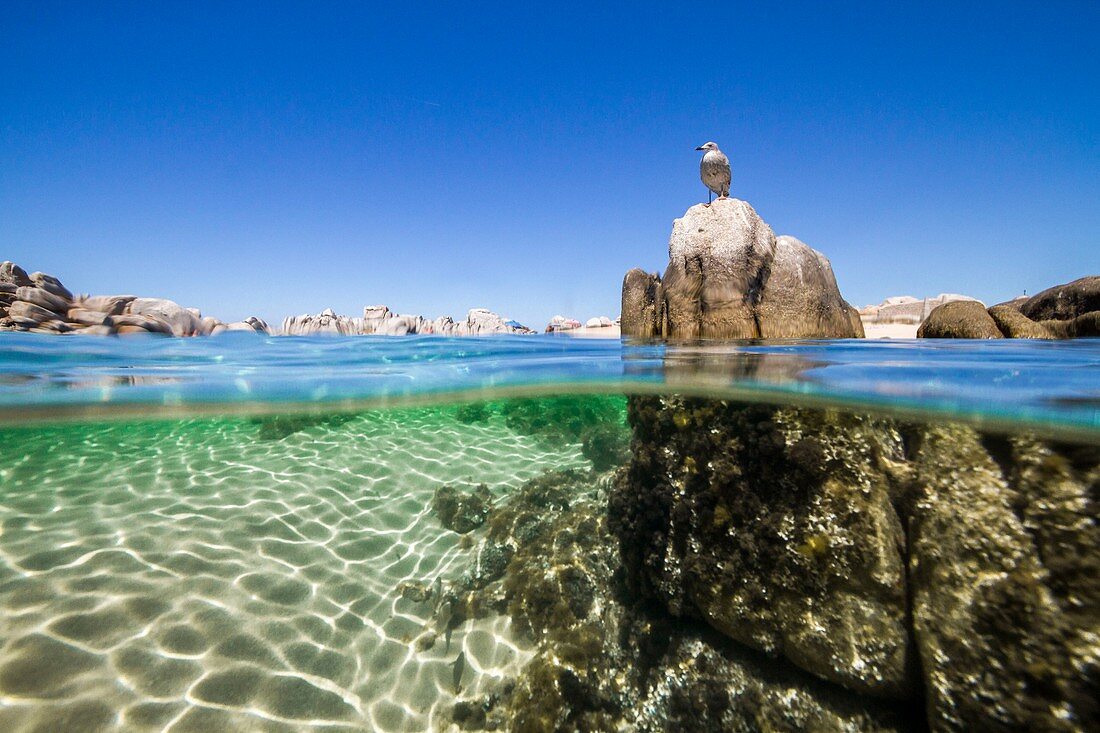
(541, 533)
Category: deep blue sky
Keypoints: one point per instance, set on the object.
(277, 159)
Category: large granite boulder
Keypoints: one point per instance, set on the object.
(728, 276)
(252, 324)
(181, 321)
(962, 319)
(717, 257)
(1015, 325)
(13, 274)
(327, 322)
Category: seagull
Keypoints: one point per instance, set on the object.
(714, 169)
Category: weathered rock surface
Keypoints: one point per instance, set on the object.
(51, 284)
(40, 303)
(14, 274)
(1064, 302)
(1071, 310)
(252, 324)
(964, 319)
(1015, 325)
(801, 296)
(729, 277)
(180, 320)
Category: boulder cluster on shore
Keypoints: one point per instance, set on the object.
(39, 303)
(380, 320)
(1071, 310)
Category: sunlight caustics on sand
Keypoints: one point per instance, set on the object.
(222, 575)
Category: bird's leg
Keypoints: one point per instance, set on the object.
(710, 196)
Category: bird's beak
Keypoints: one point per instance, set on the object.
(699, 148)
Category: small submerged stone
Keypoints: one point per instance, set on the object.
(460, 511)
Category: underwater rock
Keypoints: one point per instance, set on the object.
(607, 660)
(607, 446)
(955, 571)
(775, 526)
(567, 419)
(459, 511)
(277, 427)
(708, 687)
(1005, 576)
(728, 276)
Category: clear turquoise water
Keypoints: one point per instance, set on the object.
(1049, 385)
(220, 534)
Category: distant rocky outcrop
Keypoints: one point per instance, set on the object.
(41, 304)
(906, 308)
(381, 321)
(729, 276)
(1071, 310)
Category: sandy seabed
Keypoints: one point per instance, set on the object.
(197, 576)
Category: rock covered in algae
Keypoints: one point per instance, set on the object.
(461, 511)
(604, 661)
(1005, 573)
(775, 526)
(842, 542)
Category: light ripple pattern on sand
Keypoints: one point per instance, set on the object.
(190, 576)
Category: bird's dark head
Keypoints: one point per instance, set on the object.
(708, 146)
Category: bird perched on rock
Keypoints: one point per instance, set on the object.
(714, 169)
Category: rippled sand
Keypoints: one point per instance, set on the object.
(221, 575)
